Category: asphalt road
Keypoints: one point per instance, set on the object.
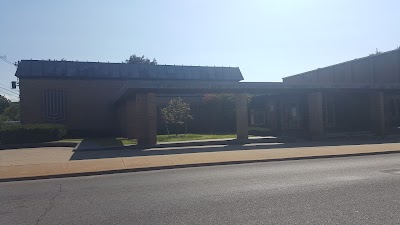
(352, 190)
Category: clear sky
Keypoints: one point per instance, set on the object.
(267, 40)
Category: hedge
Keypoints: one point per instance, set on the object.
(259, 131)
(31, 133)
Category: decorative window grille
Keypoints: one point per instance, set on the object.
(54, 105)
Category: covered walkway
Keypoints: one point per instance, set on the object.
(137, 99)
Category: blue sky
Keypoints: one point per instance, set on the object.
(267, 40)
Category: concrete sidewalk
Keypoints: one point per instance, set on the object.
(35, 163)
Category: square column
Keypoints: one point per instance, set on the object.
(315, 115)
(122, 118)
(242, 125)
(130, 115)
(377, 113)
(146, 119)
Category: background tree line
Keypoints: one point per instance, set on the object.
(9, 111)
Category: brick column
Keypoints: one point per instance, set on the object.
(315, 115)
(242, 126)
(377, 113)
(146, 119)
(122, 118)
(130, 115)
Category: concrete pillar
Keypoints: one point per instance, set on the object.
(122, 118)
(377, 113)
(146, 119)
(130, 118)
(315, 115)
(242, 126)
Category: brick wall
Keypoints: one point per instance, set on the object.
(88, 103)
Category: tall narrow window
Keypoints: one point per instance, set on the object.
(54, 105)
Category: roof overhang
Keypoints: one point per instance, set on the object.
(132, 87)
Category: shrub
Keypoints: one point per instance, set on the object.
(31, 133)
(259, 131)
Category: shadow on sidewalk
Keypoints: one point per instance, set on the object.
(92, 143)
(196, 147)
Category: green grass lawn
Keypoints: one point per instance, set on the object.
(107, 142)
(73, 140)
(127, 141)
(190, 137)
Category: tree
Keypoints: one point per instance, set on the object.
(134, 59)
(377, 52)
(176, 113)
(11, 113)
(4, 103)
(218, 113)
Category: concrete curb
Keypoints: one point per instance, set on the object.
(190, 166)
(38, 145)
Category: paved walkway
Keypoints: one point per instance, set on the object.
(60, 161)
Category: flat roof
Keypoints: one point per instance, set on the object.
(100, 70)
(369, 57)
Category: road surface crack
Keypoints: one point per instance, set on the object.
(48, 208)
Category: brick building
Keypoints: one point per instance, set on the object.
(351, 105)
(90, 96)
(121, 99)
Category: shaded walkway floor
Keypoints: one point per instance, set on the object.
(42, 162)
